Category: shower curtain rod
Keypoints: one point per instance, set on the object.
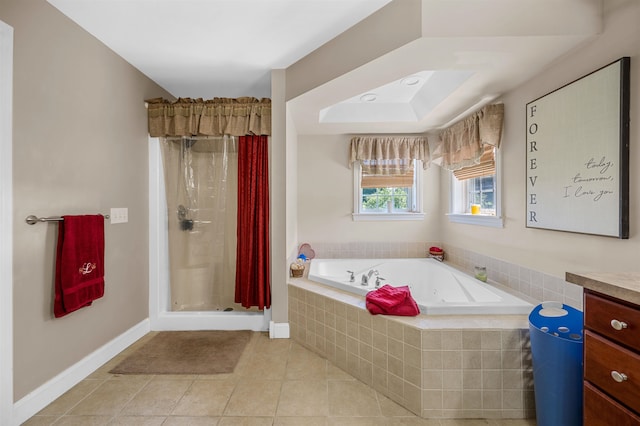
(32, 220)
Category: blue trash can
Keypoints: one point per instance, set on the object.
(556, 336)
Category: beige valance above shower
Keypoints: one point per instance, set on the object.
(215, 117)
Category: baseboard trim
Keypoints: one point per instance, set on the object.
(184, 321)
(279, 330)
(36, 400)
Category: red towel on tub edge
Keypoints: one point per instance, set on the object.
(389, 300)
(79, 276)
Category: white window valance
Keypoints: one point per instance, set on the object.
(462, 144)
(388, 155)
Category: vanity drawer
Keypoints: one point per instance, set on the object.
(600, 410)
(604, 316)
(613, 369)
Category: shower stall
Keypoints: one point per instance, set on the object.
(193, 208)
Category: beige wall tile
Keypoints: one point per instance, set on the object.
(452, 340)
(413, 337)
(452, 360)
(452, 379)
(432, 379)
(491, 340)
(431, 339)
(471, 339)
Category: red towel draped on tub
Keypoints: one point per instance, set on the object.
(79, 263)
(391, 300)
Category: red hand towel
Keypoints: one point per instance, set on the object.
(79, 263)
(391, 300)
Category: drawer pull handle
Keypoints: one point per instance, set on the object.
(618, 377)
(618, 325)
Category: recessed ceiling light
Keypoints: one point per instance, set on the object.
(410, 81)
(368, 97)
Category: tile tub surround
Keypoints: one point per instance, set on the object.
(437, 367)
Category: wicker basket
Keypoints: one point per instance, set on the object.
(297, 273)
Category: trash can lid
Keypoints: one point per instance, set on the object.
(557, 320)
(552, 309)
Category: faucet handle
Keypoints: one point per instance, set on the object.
(352, 278)
(378, 279)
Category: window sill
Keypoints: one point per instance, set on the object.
(476, 219)
(357, 217)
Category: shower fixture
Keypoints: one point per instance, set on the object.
(185, 224)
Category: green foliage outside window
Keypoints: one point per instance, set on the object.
(378, 198)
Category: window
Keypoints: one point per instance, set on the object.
(478, 187)
(388, 197)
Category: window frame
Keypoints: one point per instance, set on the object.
(417, 197)
(458, 193)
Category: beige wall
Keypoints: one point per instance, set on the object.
(325, 182)
(555, 252)
(279, 194)
(357, 46)
(325, 198)
(80, 146)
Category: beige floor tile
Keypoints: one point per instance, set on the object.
(70, 398)
(357, 421)
(390, 408)
(246, 421)
(83, 421)
(276, 382)
(256, 398)
(335, 373)
(159, 397)
(264, 366)
(305, 365)
(264, 345)
(230, 377)
(111, 396)
(40, 420)
(412, 421)
(138, 421)
(205, 398)
(298, 421)
(190, 421)
(351, 398)
(303, 398)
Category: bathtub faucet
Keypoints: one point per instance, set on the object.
(351, 277)
(366, 277)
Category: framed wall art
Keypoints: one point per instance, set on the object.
(577, 161)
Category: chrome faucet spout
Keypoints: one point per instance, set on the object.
(366, 277)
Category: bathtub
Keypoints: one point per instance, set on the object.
(439, 289)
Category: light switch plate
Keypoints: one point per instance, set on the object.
(119, 215)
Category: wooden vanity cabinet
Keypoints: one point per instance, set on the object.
(611, 361)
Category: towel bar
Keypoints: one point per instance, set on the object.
(32, 220)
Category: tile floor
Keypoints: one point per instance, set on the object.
(276, 382)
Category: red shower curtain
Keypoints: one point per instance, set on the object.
(253, 286)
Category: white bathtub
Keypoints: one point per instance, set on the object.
(438, 288)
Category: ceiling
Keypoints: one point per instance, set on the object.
(468, 53)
